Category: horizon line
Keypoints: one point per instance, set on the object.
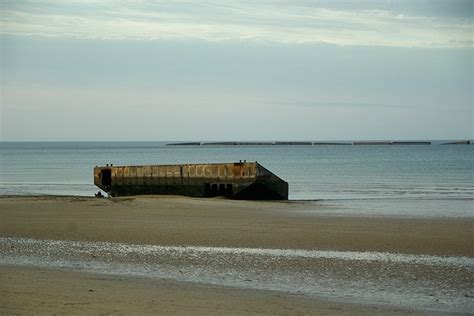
(250, 141)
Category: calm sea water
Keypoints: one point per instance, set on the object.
(435, 180)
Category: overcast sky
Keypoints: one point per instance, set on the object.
(236, 70)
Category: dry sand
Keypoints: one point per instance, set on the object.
(179, 221)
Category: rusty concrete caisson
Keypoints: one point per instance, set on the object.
(240, 180)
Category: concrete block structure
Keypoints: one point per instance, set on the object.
(239, 180)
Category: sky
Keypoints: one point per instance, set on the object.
(236, 70)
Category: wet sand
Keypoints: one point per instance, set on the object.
(44, 291)
(179, 221)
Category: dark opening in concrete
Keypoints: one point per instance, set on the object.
(106, 177)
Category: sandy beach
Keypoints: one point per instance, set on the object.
(218, 222)
(87, 255)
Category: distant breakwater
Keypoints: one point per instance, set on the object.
(311, 143)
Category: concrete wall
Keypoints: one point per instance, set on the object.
(130, 175)
(178, 174)
(227, 179)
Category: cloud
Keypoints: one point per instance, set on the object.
(290, 22)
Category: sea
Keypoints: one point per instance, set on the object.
(376, 180)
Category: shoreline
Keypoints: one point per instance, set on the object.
(368, 207)
(290, 201)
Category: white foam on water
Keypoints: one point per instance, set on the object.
(122, 248)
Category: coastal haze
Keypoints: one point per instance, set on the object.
(365, 108)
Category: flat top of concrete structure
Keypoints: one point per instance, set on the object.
(184, 164)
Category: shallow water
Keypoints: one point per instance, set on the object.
(404, 280)
(390, 207)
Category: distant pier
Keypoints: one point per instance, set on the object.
(461, 142)
(320, 143)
